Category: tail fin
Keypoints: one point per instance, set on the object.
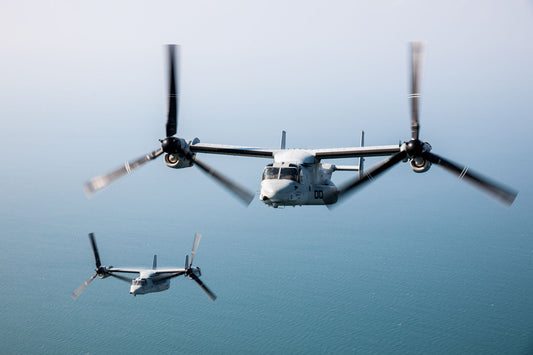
(283, 134)
(154, 263)
(361, 159)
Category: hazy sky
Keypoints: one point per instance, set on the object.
(83, 84)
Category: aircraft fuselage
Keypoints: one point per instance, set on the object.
(146, 284)
(296, 178)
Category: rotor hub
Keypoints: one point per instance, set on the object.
(170, 145)
(415, 148)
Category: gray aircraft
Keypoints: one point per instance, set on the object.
(297, 177)
(149, 280)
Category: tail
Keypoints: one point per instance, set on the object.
(361, 159)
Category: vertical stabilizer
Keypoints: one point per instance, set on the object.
(283, 135)
(361, 159)
(154, 263)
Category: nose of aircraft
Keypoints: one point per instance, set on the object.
(276, 190)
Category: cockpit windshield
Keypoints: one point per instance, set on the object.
(140, 282)
(270, 173)
(289, 174)
(280, 173)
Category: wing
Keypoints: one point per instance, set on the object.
(326, 153)
(160, 274)
(163, 274)
(356, 152)
(168, 271)
(232, 150)
(126, 270)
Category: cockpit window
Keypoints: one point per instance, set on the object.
(270, 173)
(280, 173)
(289, 174)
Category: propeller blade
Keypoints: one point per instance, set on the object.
(195, 245)
(416, 59)
(241, 192)
(186, 261)
(173, 98)
(504, 194)
(203, 286)
(99, 182)
(76, 293)
(123, 278)
(371, 174)
(95, 251)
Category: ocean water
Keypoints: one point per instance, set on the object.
(379, 274)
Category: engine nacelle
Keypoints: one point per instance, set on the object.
(101, 272)
(197, 271)
(194, 270)
(176, 162)
(420, 165)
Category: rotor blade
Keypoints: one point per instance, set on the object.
(76, 293)
(504, 194)
(371, 174)
(241, 192)
(99, 182)
(123, 278)
(173, 95)
(203, 286)
(195, 245)
(95, 251)
(414, 96)
(187, 261)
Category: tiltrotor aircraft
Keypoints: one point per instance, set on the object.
(149, 280)
(298, 176)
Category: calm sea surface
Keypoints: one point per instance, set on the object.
(358, 280)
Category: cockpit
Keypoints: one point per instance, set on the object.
(139, 282)
(283, 173)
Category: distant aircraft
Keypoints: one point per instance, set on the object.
(149, 280)
(297, 177)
